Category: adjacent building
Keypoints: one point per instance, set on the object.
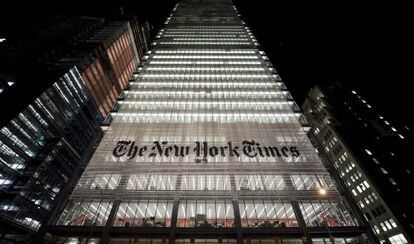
(206, 145)
(371, 156)
(117, 59)
(41, 150)
(58, 82)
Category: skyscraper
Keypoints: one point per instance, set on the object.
(206, 145)
(57, 83)
(42, 149)
(371, 155)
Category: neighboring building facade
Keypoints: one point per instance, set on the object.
(107, 60)
(62, 80)
(372, 158)
(141, 33)
(206, 146)
(121, 57)
(41, 149)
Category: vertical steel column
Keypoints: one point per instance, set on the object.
(173, 227)
(301, 222)
(109, 222)
(237, 222)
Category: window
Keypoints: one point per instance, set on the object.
(398, 239)
(324, 213)
(205, 182)
(311, 182)
(144, 213)
(368, 152)
(205, 214)
(337, 240)
(272, 241)
(265, 214)
(152, 182)
(101, 181)
(393, 181)
(85, 213)
(4, 181)
(249, 182)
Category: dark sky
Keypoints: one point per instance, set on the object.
(367, 46)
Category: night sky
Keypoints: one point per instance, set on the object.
(366, 46)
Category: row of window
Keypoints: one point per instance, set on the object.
(180, 62)
(206, 117)
(209, 39)
(206, 85)
(27, 133)
(63, 106)
(339, 240)
(204, 43)
(171, 106)
(219, 94)
(205, 27)
(205, 51)
(385, 226)
(215, 57)
(208, 214)
(200, 75)
(206, 103)
(179, 69)
(360, 188)
(191, 36)
(169, 182)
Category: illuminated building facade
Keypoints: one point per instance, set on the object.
(116, 61)
(206, 146)
(41, 150)
(370, 155)
(56, 86)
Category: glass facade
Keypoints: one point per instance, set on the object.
(42, 147)
(108, 73)
(207, 138)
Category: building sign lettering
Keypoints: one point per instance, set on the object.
(251, 149)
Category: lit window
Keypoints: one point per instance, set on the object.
(266, 214)
(393, 181)
(324, 213)
(398, 239)
(211, 214)
(85, 213)
(144, 213)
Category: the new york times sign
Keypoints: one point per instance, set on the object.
(251, 149)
